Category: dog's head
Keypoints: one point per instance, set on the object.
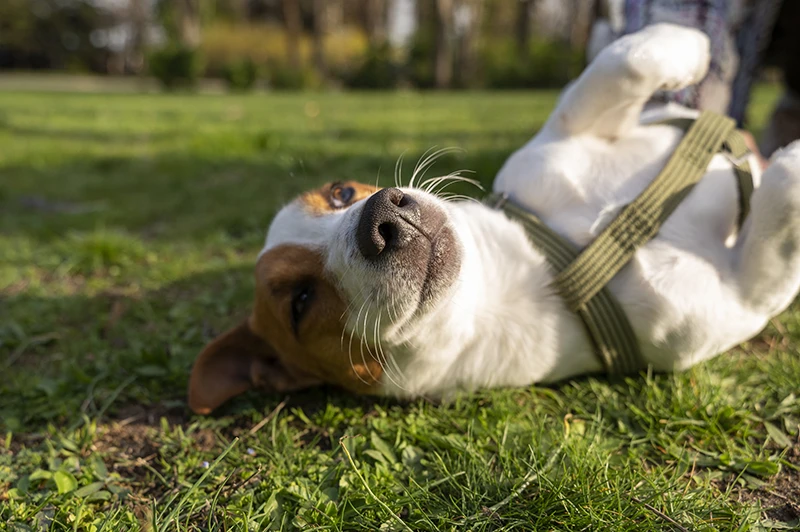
(345, 269)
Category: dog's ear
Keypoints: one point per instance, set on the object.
(232, 364)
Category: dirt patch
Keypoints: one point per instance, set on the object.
(130, 449)
(780, 499)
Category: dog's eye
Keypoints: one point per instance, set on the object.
(301, 297)
(341, 195)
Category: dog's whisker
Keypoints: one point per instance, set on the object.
(381, 356)
(426, 165)
(454, 177)
(450, 198)
(354, 301)
(423, 166)
(364, 343)
(387, 363)
(398, 170)
(350, 344)
(443, 186)
(420, 161)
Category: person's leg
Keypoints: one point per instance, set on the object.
(784, 52)
(754, 24)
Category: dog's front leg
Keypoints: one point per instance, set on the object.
(608, 97)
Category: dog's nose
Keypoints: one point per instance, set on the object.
(388, 222)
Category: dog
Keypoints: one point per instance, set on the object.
(398, 292)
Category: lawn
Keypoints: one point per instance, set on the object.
(129, 227)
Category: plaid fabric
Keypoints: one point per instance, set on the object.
(752, 38)
(739, 31)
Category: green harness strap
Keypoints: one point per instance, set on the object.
(738, 151)
(605, 321)
(582, 276)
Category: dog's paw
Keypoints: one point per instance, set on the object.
(667, 56)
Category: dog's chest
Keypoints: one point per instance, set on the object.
(577, 185)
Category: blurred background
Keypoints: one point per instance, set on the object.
(296, 44)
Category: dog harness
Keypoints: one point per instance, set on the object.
(582, 276)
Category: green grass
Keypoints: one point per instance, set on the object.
(128, 231)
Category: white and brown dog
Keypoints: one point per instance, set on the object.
(397, 292)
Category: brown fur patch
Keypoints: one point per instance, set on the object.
(319, 201)
(317, 349)
(235, 362)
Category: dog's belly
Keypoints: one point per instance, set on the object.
(675, 290)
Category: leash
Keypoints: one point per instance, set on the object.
(582, 276)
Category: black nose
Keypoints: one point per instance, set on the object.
(388, 222)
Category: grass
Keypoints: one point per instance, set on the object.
(128, 230)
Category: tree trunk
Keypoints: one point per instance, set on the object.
(320, 30)
(375, 21)
(581, 17)
(189, 22)
(240, 10)
(293, 22)
(523, 29)
(443, 61)
(468, 42)
(137, 14)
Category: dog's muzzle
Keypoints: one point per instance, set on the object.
(390, 221)
(407, 238)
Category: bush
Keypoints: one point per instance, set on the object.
(420, 61)
(547, 64)
(283, 77)
(377, 71)
(176, 66)
(241, 75)
(265, 44)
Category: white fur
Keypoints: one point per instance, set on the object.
(696, 290)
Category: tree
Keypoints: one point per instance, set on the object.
(581, 17)
(138, 16)
(471, 12)
(188, 12)
(294, 24)
(375, 19)
(523, 26)
(52, 34)
(320, 30)
(443, 55)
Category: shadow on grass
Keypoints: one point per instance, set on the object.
(177, 198)
(127, 357)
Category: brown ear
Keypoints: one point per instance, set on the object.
(232, 364)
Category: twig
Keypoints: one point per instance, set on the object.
(791, 503)
(244, 482)
(366, 486)
(269, 417)
(662, 515)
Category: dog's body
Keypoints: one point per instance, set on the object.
(411, 295)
